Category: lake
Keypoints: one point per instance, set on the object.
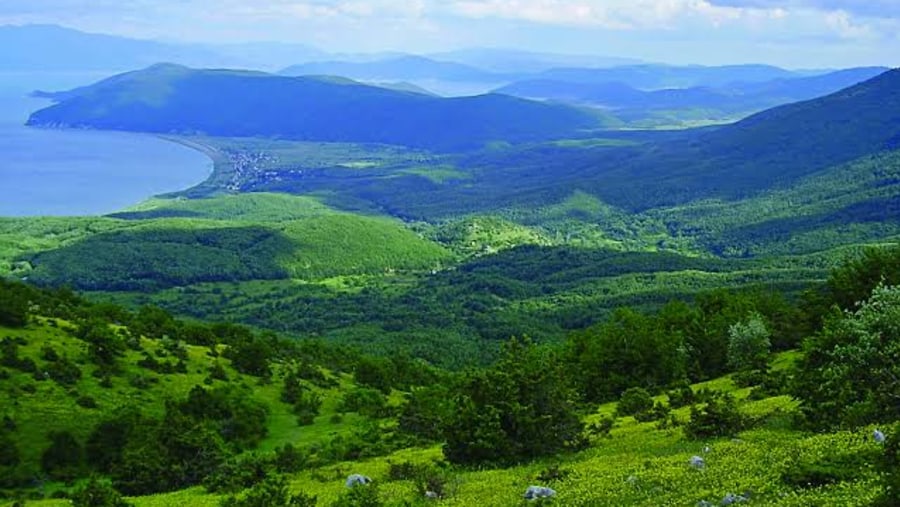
(73, 172)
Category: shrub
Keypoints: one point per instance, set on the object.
(424, 410)
(306, 408)
(273, 492)
(681, 395)
(289, 459)
(48, 353)
(660, 411)
(10, 456)
(237, 474)
(86, 401)
(830, 469)
(98, 493)
(718, 417)
(634, 401)
(13, 306)
(64, 372)
(360, 496)
(602, 427)
(365, 401)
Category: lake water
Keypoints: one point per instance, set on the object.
(62, 172)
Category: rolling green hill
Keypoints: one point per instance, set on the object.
(266, 237)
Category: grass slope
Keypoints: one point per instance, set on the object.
(637, 464)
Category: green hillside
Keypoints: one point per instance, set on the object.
(172, 412)
(265, 237)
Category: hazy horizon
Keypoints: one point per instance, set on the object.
(787, 33)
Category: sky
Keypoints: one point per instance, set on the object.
(790, 33)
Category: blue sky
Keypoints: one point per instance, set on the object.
(792, 33)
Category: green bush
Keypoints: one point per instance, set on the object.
(359, 496)
(289, 459)
(681, 395)
(634, 401)
(366, 402)
(98, 493)
(658, 412)
(237, 474)
(829, 469)
(718, 417)
(602, 427)
(272, 492)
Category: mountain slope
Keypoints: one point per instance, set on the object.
(772, 148)
(174, 99)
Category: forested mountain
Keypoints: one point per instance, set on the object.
(728, 99)
(173, 99)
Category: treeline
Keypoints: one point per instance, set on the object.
(542, 292)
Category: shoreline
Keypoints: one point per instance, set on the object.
(211, 185)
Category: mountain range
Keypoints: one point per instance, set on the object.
(733, 97)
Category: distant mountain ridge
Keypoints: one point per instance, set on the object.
(659, 76)
(729, 98)
(407, 68)
(176, 99)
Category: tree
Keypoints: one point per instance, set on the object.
(63, 458)
(518, 410)
(630, 349)
(13, 305)
(849, 373)
(103, 344)
(851, 284)
(423, 412)
(748, 344)
(251, 356)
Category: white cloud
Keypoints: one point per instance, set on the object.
(697, 30)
